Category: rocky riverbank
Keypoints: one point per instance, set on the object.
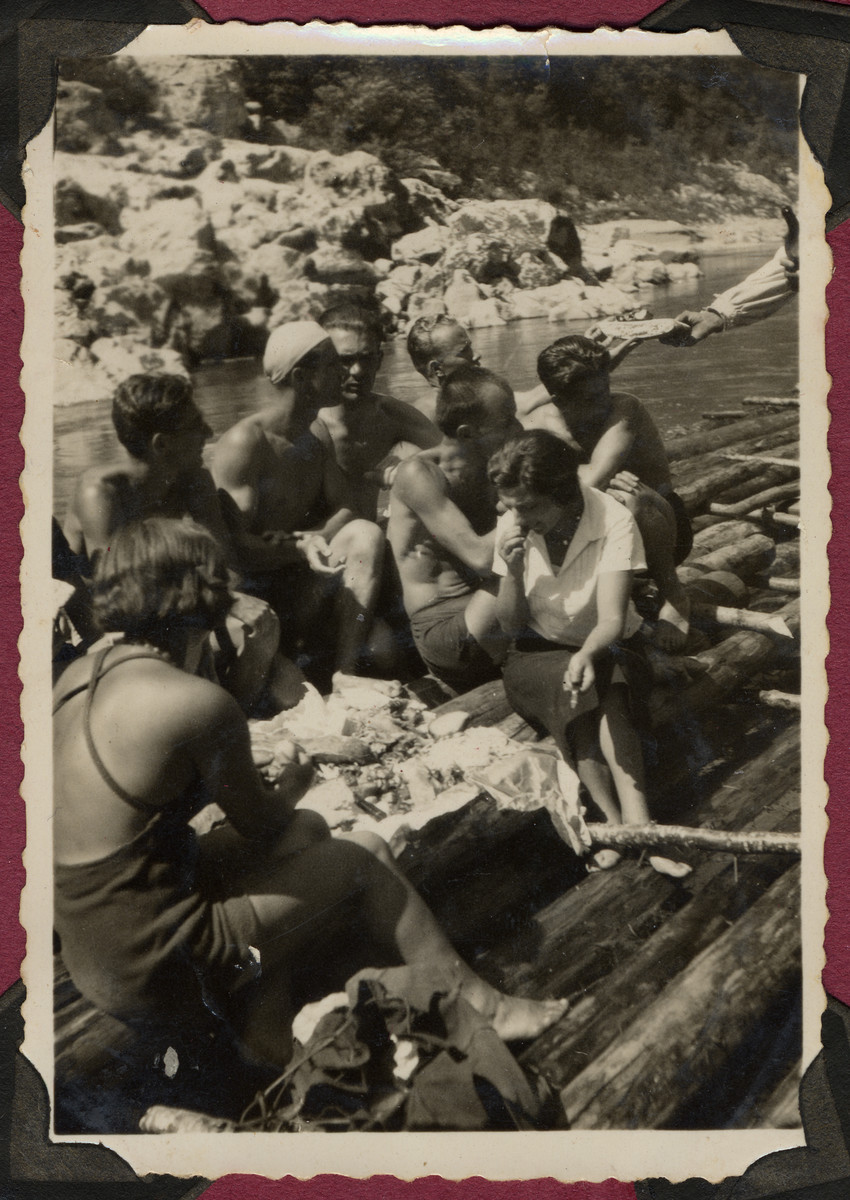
(188, 226)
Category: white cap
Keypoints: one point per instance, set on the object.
(288, 344)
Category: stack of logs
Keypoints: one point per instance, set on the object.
(675, 986)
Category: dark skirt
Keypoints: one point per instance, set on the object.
(534, 683)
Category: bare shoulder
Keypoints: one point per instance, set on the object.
(628, 407)
(239, 448)
(418, 477)
(245, 435)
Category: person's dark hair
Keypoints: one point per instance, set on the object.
(539, 461)
(460, 400)
(420, 344)
(569, 359)
(358, 318)
(147, 404)
(157, 579)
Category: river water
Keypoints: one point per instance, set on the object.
(676, 385)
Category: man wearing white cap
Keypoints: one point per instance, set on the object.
(288, 487)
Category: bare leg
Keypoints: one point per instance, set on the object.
(297, 901)
(360, 546)
(483, 624)
(621, 747)
(591, 766)
(595, 774)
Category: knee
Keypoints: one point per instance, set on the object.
(374, 843)
(311, 826)
(361, 540)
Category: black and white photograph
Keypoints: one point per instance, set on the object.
(421, 432)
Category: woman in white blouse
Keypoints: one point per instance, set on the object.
(566, 554)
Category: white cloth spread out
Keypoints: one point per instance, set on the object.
(757, 296)
(563, 603)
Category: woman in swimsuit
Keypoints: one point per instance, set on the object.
(154, 920)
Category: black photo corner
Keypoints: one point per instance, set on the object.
(794, 35)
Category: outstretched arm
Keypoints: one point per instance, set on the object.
(421, 486)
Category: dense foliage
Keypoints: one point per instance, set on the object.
(576, 131)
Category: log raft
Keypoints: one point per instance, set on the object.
(637, 952)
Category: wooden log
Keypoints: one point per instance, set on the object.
(688, 470)
(718, 587)
(730, 414)
(609, 1005)
(748, 556)
(777, 699)
(716, 536)
(681, 1039)
(776, 584)
(769, 477)
(769, 495)
(786, 559)
(608, 916)
(725, 668)
(739, 618)
(773, 401)
(781, 1110)
(713, 439)
(706, 486)
(763, 458)
(689, 838)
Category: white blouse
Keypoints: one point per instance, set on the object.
(563, 603)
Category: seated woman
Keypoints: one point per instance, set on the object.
(155, 921)
(566, 555)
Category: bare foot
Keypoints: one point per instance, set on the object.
(673, 626)
(669, 866)
(513, 1018)
(518, 1020)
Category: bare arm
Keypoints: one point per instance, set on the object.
(613, 589)
(528, 402)
(98, 510)
(418, 485)
(235, 468)
(221, 748)
(512, 603)
(612, 449)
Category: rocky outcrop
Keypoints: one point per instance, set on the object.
(188, 224)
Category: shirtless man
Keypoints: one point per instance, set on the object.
(439, 344)
(442, 529)
(163, 432)
(289, 488)
(623, 454)
(369, 433)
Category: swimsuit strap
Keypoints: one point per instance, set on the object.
(98, 672)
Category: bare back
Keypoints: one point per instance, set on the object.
(277, 484)
(142, 725)
(620, 437)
